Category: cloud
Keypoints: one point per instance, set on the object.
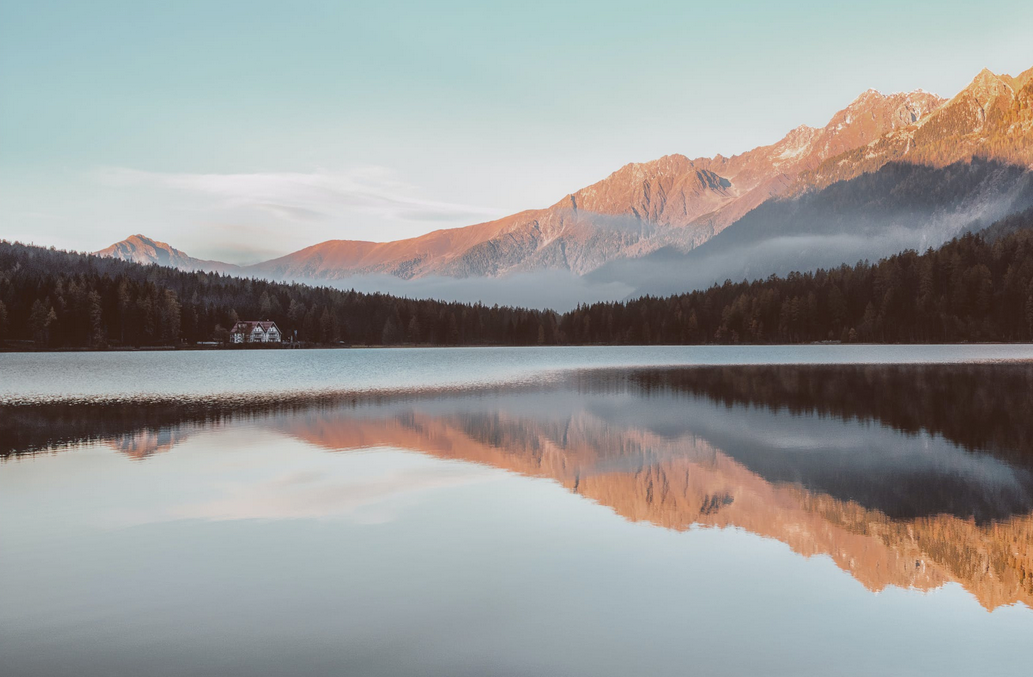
(313, 196)
(293, 213)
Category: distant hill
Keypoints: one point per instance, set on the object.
(142, 249)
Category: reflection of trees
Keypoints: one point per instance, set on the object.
(979, 406)
(34, 428)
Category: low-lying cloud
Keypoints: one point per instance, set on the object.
(555, 289)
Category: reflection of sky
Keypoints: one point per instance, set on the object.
(232, 554)
(361, 492)
(257, 474)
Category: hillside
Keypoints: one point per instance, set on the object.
(899, 206)
(971, 289)
(142, 249)
(974, 288)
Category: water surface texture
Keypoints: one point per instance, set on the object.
(234, 374)
(803, 512)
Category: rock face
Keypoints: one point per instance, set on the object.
(992, 118)
(142, 249)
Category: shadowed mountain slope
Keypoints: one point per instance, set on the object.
(901, 206)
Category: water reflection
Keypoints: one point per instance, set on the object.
(911, 476)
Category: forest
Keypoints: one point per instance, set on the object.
(978, 287)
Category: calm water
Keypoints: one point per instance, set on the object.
(782, 511)
(162, 375)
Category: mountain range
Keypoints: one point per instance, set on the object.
(680, 212)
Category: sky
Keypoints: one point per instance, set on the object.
(243, 130)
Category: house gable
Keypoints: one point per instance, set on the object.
(253, 331)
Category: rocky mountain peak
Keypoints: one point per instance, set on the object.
(865, 98)
(889, 110)
(139, 248)
(986, 87)
(668, 189)
(872, 115)
(1020, 81)
(142, 249)
(971, 108)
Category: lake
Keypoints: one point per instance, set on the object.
(826, 510)
(206, 375)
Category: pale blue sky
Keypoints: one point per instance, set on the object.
(236, 130)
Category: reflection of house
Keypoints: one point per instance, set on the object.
(255, 332)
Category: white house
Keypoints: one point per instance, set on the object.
(255, 332)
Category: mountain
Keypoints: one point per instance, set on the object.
(637, 209)
(142, 249)
(960, 168)
(900, 206)
(991, 118)
(660, 210)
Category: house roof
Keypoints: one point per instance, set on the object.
(246, 326)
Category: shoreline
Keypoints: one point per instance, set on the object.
(362, 346)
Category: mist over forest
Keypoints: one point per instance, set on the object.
(899, 207)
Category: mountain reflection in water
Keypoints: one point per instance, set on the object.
(911, 476)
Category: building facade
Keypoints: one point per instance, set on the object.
(253, 331)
